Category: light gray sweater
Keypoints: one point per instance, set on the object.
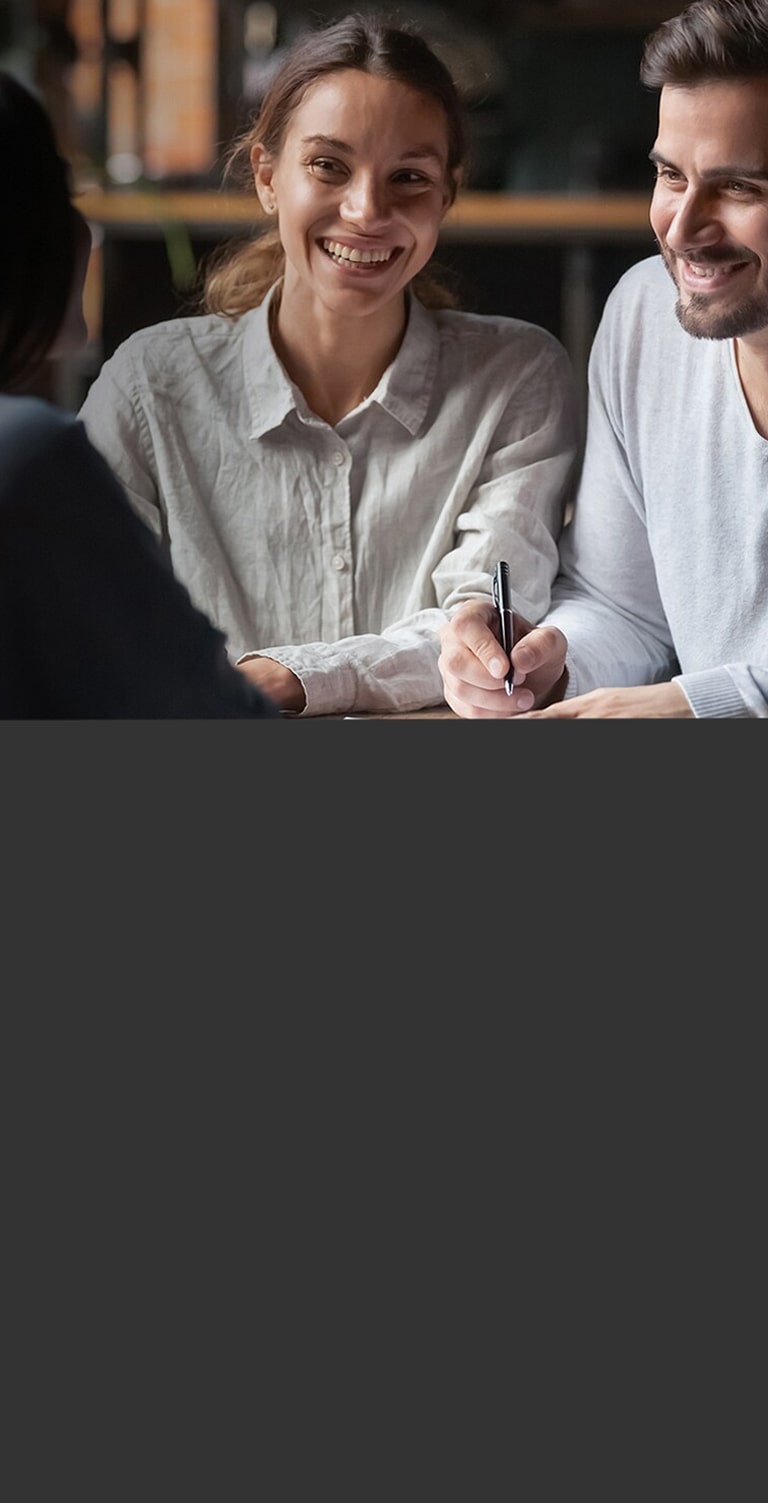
(664, 569)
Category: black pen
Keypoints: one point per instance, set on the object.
(503, 603)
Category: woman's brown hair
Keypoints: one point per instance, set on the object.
(237, 277)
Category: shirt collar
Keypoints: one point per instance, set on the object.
(404, 390)
(271, 396)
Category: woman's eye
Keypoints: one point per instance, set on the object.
(409, 179)
(326, 167)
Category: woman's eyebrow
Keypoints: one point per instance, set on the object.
(333, 143)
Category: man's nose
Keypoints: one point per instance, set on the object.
(693, 222)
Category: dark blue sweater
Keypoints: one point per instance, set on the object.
(93, 624)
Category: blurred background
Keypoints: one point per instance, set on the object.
(146, 94)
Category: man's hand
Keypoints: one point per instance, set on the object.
(645, 702)
(283, 687)
(473, 666)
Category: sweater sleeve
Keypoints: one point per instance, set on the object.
(605, 597)
(648, 482)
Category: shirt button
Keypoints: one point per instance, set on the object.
(338, 457)
(339, 562)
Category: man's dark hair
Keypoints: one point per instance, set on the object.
(709, 40)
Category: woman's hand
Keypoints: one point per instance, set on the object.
(283, 687)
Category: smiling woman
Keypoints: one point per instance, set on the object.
(359, 213)
(350, 59)
(334, 455)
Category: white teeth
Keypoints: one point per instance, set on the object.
(708, 270)
(344, 253)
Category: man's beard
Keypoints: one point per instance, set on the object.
(700, 319)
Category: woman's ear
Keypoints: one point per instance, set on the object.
(261, 165)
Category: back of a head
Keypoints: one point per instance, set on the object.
(710, 40)
(37, 249)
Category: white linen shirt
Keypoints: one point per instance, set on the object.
(348, 545)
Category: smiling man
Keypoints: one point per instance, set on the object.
(660, 606)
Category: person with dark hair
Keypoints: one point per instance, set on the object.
(660, 608)
(333, 454)
(93, 624)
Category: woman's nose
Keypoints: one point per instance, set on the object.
(365, 201)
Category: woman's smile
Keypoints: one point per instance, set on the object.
(351, 255)
(360, 186)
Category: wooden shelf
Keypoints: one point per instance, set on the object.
(587, 216)
(486, 216)
(133, 209)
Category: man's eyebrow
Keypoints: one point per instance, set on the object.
(758, 174)
(333, 143)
